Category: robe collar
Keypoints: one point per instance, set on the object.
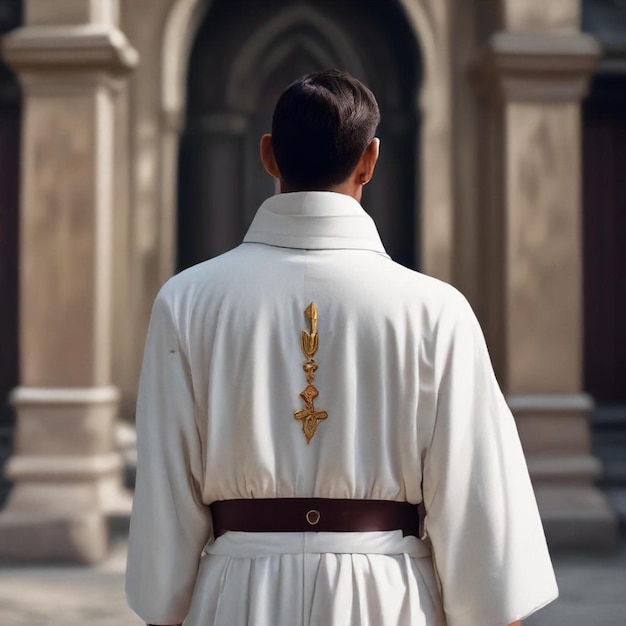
(314, 220)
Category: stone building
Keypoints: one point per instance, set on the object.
(128, 146)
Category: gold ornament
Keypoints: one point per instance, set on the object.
(310, 417)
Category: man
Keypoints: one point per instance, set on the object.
(305, 364)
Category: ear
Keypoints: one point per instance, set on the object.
(267, 156)
(367, 162)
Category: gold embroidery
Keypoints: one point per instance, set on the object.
(309, 341)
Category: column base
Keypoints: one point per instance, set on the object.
(577, 517)
(67, 476)
(80, 538)
(554, 429)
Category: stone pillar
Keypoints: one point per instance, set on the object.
(150, 254)
(71, 60)
(533, 76)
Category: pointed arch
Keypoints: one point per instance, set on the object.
(181, 25)
(430, 21)
(324, 40)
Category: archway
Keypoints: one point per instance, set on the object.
(244, 55)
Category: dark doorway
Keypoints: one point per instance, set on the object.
(604, 227)
(246, 52)
(10, 119)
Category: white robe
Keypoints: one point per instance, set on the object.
(414, 414)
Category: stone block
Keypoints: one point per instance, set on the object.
(555, 17)
(577, 518)
(71, 537)
(65, 12)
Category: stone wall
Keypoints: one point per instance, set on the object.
(499, 187)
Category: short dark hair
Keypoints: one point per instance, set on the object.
(321, 126)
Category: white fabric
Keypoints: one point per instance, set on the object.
(414, 414)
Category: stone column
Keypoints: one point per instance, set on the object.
(71, 60)
(533, 76)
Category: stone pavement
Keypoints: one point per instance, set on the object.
(593, 593)
(66, 595)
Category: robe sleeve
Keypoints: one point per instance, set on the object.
(488, 542)
(169, 524)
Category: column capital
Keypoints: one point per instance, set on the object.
(536, 67)
(67, 48)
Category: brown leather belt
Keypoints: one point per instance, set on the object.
(313, 514)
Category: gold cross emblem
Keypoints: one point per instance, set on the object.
(310, 417)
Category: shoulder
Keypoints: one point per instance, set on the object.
(436, 296)
(187, 283)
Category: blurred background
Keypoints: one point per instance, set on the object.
(128, 151)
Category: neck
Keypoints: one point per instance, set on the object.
(347, 187)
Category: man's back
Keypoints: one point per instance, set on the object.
(376, 323)
(413, 415)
